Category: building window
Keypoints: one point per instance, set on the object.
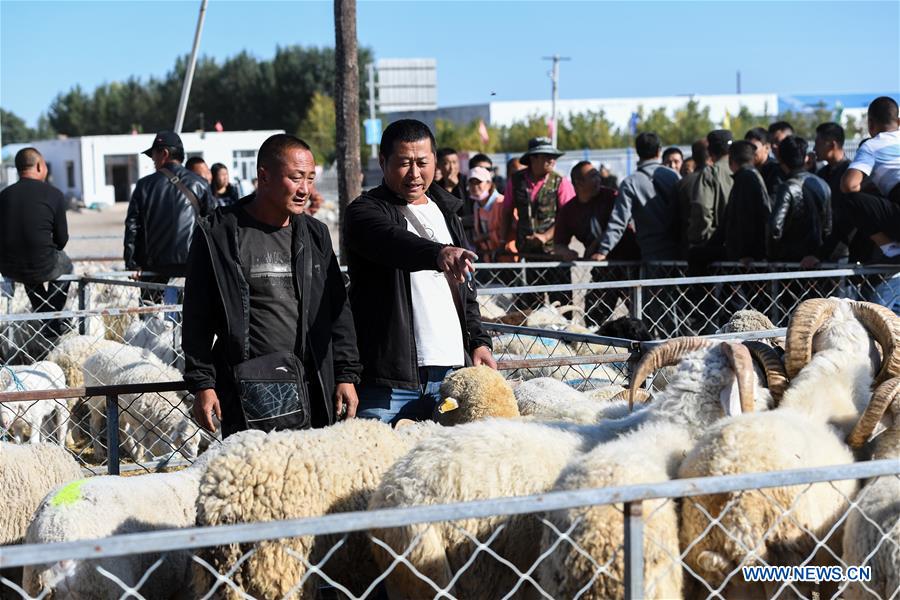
(244, 164)
(70, 174)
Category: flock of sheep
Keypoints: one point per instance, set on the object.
(727, 408)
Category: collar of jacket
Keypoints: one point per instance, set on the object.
(649, 161)
(447, 202)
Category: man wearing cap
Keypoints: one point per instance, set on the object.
(162, 213)
(711, 189)
(537, 192)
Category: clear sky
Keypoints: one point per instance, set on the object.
(617, 48)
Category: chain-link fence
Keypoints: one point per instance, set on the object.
(543, 546)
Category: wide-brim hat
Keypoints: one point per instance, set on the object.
(541, 145)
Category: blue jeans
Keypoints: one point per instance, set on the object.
(389, 405)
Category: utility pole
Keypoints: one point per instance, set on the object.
(554, 77)
(739, 82)
(346, 109)
(189, 74)
(371, 69)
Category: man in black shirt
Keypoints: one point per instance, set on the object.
(263, 280)
(33, 233)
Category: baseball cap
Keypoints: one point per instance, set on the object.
(480, 173)
(164, 138)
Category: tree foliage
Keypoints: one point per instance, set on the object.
(14, 130)
(241, 92)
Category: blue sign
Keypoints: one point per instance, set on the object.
(373, 131)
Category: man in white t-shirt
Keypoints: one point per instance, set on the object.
(877, 214)
(411, 290)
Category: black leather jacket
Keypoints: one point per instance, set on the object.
(801, 217)
(160, 221)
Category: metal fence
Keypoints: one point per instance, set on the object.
(520, 547)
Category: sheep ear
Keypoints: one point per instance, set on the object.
(449, 403)
(730, 398)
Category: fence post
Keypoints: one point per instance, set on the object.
(112, 434)
(82, 305)
(634, 551)
(776, 301)
(637, 302)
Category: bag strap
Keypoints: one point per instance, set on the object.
(306, 283)
(423, 233)
(177, 182)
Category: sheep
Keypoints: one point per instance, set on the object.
(27, 473)
(160, 336)
(151, 424)
(110, 505)
(872, 531)
(548, 399)
(495, 459)
(830, 357)
(71, 352)
(32, 415)
(316, 472)
(717, 380)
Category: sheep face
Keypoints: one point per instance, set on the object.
(477, 393)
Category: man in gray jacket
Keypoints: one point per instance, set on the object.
(648, 196)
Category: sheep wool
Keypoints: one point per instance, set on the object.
(110, 505)
(27, 473)
(293, 474)
(480, 392)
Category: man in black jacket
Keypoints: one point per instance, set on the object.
(411, 288)
(801, 209)
(33, 233)
(162, 212)
(263, 279)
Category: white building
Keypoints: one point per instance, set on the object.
(102, 169)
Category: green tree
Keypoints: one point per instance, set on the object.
(13, 129)
(690, 124)
(318, 128)
(744, 121)
(514, 138)
(588, 130)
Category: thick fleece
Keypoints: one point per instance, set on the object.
(27, 473)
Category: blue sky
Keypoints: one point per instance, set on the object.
(617, 48)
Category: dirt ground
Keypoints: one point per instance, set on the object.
(96, 233)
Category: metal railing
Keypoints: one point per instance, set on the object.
(247, 571)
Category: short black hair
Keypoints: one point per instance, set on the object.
(403, 131)
(27, 158)
(699, 152)
(479, 158)
(883, 110)
(792, 151)
(757, 134)
(779, 126)
(194, 160)
(741, 152)
(271, 153)
(647, 145)
(670, 151)
(575, 173)
(831, 132)
(176, 153)
(444, 152)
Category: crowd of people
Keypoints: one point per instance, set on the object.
(770, 196)
(273, 339)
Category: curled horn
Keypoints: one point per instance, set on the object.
(770, 361)
(664, 355)
(805, 322)
(882, 397)
(738, 356)
(640, 394)
(882, 324)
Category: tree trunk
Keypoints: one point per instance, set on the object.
(346, 108)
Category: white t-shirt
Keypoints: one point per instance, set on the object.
(439, 341)
(879, 158)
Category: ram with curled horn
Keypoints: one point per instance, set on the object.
(713, 379)
(833, 360)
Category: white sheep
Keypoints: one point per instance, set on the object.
(160, 336)
(872, 532)
(548, 399)
(27, 473)
(316, 472)
(496, 459)
(99, 507)
(150, 424)
(830, 356)
(33, 415)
